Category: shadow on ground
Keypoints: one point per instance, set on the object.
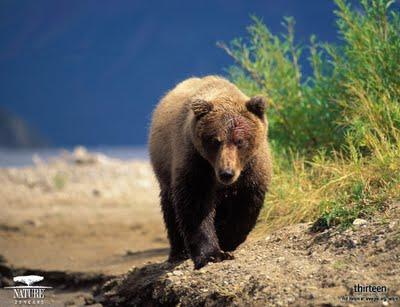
(138, 288)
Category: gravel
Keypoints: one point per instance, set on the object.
(292, 266)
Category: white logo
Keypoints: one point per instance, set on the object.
(29, 294)
(28, 280)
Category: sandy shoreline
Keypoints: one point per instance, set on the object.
(82, 212)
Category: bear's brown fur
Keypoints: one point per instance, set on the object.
(209, 150)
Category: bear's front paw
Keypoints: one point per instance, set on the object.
(177, 257)
(216, 256)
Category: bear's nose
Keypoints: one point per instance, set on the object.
(226, 175)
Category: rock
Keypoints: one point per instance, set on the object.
(81, 155)
(359, 222)
(96, 192)
(392, 225)
(177, 273)
(33, 222)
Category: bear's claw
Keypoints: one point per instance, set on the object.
(217, 256)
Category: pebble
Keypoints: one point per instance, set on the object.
(359, 222)
(381, 244)
(280, 259)
(177, 273)
(33, 222)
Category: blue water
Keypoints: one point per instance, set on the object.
(23, 157)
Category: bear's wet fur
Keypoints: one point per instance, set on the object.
(209, 150)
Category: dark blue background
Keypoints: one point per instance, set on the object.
(90, 72)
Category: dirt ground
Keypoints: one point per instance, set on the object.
(84, 220)
(290, 267)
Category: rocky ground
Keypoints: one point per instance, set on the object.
(292, 266)
(84, 220)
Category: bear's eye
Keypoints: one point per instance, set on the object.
(240, 143)
(214, 142)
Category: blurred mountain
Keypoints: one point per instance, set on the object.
(16, 133)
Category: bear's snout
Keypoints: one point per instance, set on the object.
(227, 165)
(226, 175)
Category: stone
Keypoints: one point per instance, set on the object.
(359, 222)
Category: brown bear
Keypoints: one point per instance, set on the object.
(209, 151)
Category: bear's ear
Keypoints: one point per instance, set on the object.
(200, 108)
(257, 106)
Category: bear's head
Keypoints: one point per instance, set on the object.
(228, 133)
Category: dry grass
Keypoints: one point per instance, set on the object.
(331, 190)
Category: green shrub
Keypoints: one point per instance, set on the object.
(353, 92)
(335, 133)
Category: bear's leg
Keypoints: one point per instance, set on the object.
(237, 215)
(177, 252)
(194, 205)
